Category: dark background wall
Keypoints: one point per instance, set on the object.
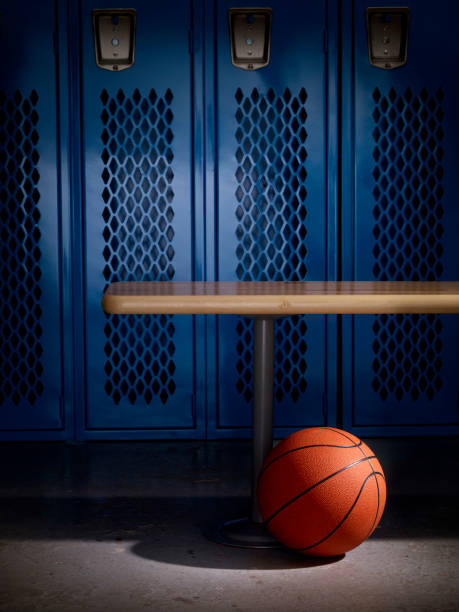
(183, 167)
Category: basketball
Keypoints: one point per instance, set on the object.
(321, 491)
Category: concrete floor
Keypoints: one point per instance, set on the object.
(117, 527)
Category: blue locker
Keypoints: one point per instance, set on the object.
(401, 222)
(187, 167)
(138, 210)
(271, 210)
(32, 371)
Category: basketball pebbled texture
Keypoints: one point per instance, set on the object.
(321, 491)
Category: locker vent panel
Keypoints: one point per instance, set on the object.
(270, 209)
(407, 234)
(139, 239)
(20, 344)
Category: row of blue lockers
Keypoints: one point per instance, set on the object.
(183, 165)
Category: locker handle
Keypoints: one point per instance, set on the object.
(387, 31)
(114, 38)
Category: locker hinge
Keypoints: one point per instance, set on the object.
(190, 42)
(55, 43)
(325, 41)
(324, 407)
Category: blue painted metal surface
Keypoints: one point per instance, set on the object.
(400, 222)
(139, 226)
(32, 379)
(271, 210)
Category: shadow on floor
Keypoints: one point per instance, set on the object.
(169, 529)
(166, 530)
(211, 555)
(156, 497)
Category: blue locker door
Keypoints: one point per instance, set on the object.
(30, 343)
(271, 209)
(403, 223)
(138, 214)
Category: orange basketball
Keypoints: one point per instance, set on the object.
(321, 491)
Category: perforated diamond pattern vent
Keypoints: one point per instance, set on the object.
(20, 343)
(138, 234)
(271, 222)
(407, 231)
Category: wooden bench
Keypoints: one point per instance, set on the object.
(266, 301)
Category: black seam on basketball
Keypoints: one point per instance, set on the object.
(339, 431)
(377, 508)
(343, 519)
(377, 488)
(316, 485)
(377, 505)
(298, 448)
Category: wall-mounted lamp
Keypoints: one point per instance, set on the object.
(387, 29)
(114, 38)
(250, 37)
